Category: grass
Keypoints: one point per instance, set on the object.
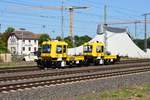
(13, 65)
(133, 93)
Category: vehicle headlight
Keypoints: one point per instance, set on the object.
(59, 59)
(99, 57)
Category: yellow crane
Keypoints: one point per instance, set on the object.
(71, 13)
(71, 10)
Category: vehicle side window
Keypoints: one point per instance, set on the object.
(65, 47)
(102, 49)
(98, 49)
(88, 49)
(46, 48)
(59, 49)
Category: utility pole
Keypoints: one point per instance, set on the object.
(135, 28)
(145, 35)
(44, 26)
(22, 29)
(0, 29)
(71, 26)
(105, 26)
(62, 19)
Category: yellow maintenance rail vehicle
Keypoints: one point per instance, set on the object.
(94, 53)
(54, 54)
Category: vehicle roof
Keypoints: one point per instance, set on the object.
(55, 42)
(96, 43)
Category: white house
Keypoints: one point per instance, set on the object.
(23, 42)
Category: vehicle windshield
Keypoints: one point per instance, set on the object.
(46, 48)
(59, 49)
(99, 49)
(87, 48)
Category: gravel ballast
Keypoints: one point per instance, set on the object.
(71, 90)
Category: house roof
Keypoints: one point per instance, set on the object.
(25, 35)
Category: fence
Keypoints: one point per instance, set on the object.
(5, 57)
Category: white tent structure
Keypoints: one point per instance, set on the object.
(118, 43)
(148, 51)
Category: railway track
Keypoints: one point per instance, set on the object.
(91, 69)
(35, 68)
(74, 76)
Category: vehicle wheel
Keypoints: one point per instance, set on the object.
(40, 64)
(48, 64)
(86, 63)
(58, 64)
(96, 62)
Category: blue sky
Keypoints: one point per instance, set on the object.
(22, 14)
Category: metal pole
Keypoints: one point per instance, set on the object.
(71, 26)
(105, 25)
(135, 29)
(22, 29)
(22, 43)
(62, 19)
(44, 28)
(0, 29)
(145, 35)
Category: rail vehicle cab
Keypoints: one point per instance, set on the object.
(93, 49)
(53, 53)
(93, 52)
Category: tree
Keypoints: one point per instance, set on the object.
(139, 43)
(6, 34)
(9, 30)
(44, 37)
(69, 41)
(3, 39)
(58, 38)
(3, 48)
(79, 40)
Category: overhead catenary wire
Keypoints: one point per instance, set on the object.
(95, 5)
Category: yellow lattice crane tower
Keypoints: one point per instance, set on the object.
(71, 11)
(71, 14)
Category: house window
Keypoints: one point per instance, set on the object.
(23, 48)
(35, 41)
(29, 48)
(29, 41)
(34, 48)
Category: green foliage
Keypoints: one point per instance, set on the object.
(139, 43)
(69, 41)
(4, 38)
(6, 34)
(79, 40)
(9, 30)
(58, 38)
(44, 37)
(3, 48)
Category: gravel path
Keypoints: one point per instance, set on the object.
(72, 90)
